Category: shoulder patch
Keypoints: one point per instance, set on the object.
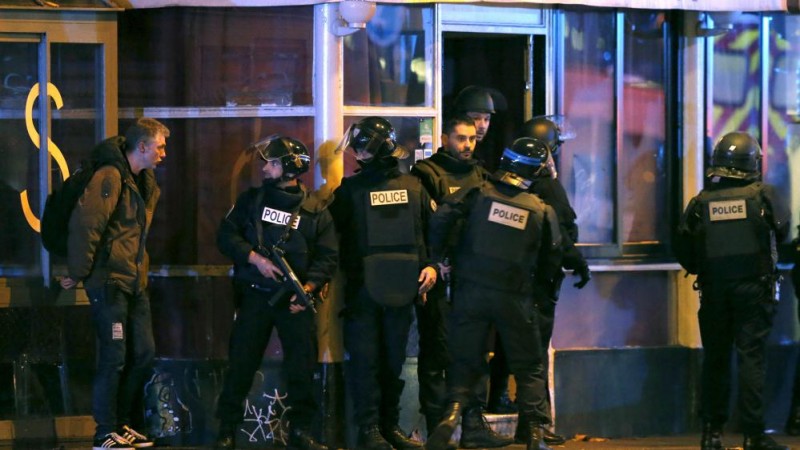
(434, 206)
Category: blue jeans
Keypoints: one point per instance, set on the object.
(125, 352)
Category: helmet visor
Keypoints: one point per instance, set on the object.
(261, 147)
(364, 144)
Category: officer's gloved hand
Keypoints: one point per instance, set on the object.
(584, 273)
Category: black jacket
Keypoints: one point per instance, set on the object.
(311, 249)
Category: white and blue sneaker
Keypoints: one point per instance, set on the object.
(136, 439)
(112, 440)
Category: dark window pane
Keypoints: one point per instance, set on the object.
(205, 169)
(19, 173)
(386, 64)
(216, 56)
(587, 163)
(643, 196)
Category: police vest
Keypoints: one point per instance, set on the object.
(735, 240)
(391, 212)
(445, 182)
(502, 240)
(274, 221)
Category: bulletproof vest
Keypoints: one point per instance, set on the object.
(391, 212)
(502, 239)
(445, 182)
(273, 220)
(735, 240)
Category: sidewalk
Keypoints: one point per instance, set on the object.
(682, 442)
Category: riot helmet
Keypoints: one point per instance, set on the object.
(474, 99)
(291, 153)
(526, 160)
(372, 139)
(553, 130)
(736, 155)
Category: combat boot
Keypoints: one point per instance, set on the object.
(793, 422)
(395, 436)
(761, 441)
(531, 433)
(523, 433)
(300, 439)
(536, 441)
(226, 438)
(476, 433)
(712, 437)
(439, 438)
(370, 438)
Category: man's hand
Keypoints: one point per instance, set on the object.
(585, 275)
(67, 283)
(426, 280)
(265, 266)
(295, 307)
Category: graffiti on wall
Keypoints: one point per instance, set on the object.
(262, 425)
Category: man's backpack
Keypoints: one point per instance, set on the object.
(60, 203)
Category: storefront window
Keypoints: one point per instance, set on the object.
(587, 163)
(783, 158)
(19, 171)
(642, 166)
(207, 166)
(735, 80)
(216, 57)
(386, 65)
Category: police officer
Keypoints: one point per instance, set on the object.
(477, 102)
(508, 239)
(450, 169)
(380, 214)
(728, 236)
(548, 130)
(279, 213)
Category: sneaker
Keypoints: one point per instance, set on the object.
(137, 440)
(112, 440)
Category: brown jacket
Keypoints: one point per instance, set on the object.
(106, 239)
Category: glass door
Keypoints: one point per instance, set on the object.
(58, 97)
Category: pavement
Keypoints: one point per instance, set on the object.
(681, 442)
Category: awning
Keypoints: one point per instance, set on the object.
(694, 5)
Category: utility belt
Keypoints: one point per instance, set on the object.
(773, 280)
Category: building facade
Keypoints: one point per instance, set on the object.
(647, 92)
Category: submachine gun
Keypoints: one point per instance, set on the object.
(289, 280)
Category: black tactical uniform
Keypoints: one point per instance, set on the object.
(311, 250)
(509, 238)
(442, 174)
(550, 190)
(728, 236)
(381, 215)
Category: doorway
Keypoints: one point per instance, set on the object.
(510, 64)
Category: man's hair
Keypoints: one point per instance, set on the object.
(456, 120)
(144, 128)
